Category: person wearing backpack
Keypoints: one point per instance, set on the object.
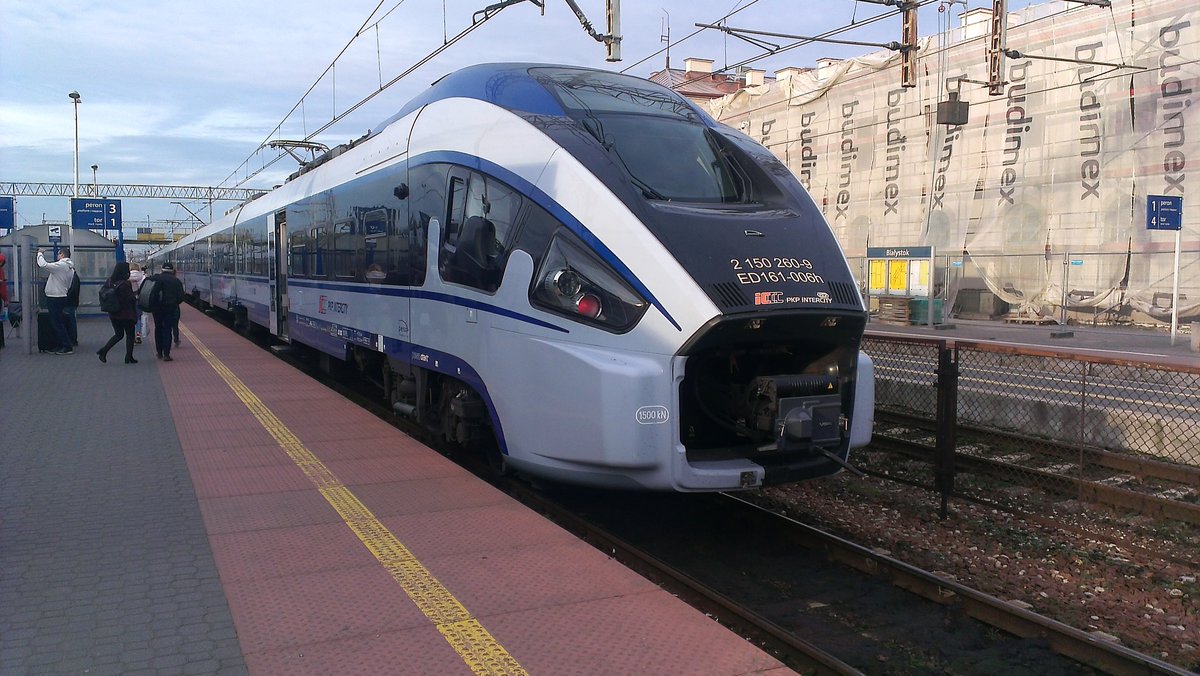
(166, 296)
(117, 299)
(58, 282)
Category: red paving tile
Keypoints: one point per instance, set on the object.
(492, 581)
(316, 607)
(461, 491)
(308, 597)
(230, 481)
(258, 512)
(471, 530)
(211, 459)
(339, 449)
(351, 428)
(225, 437)
(421, 651)
(408, 467)
(284, 552)
(650, 633)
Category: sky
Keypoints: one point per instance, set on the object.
(177, 93)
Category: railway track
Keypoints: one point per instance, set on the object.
(820, 603)
(1147, 486)
(985, 475)
(824, 604)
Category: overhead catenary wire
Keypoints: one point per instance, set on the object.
(313, 86)
(802, 43)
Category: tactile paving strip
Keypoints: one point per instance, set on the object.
(477, 647)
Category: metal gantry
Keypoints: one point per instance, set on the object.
(118, 190)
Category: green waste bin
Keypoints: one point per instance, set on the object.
(918, 311)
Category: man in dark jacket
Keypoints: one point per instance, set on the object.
(164, 305)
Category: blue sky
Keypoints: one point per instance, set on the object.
(183, 93)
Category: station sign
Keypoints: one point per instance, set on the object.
(95, 214)
(898, 270)
(899, 252)
(7, 215)
(1164, 212)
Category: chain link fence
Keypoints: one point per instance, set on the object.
(977, 419)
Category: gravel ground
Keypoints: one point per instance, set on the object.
(1120, 575)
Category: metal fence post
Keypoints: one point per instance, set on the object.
(947, 421)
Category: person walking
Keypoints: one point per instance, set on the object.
(136, 277)
(58, 282)
(123, 318)
(168, 294)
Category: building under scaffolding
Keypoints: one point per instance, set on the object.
(1039, 200)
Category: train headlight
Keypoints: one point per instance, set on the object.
(567, 283)
(574, 282)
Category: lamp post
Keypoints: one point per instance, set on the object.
(95, 189)
(75, 104)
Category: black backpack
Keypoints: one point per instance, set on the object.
(73, 290)
(146, 300)
(108, 299)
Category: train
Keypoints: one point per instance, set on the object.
(577, 272)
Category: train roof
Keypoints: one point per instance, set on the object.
(512, 86)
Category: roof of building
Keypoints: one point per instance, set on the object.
(696, 85)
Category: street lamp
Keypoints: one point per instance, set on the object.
(95, 190)
(75, 103)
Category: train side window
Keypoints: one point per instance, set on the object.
(320, 238)
(343, 250)
(298, 250)
(375, 245)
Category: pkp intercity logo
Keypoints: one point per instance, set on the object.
(768, 297)
(324, 305)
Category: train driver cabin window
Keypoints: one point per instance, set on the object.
(479, 225)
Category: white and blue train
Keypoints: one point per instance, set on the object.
(580, 269)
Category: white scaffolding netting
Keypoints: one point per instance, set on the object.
(1041, 196)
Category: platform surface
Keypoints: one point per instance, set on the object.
(224, 513)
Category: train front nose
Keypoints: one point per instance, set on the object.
(776, 393)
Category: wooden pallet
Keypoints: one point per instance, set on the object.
(894, 311)
(1017, 318)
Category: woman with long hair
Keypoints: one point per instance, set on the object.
(125, 316)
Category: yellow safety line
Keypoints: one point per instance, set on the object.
(478, 648)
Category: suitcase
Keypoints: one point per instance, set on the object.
(47, 338)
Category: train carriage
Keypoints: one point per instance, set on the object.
(576, 270)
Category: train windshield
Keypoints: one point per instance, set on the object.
(660, 140)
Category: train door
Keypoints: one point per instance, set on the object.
(277, 255)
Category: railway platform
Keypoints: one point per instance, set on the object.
(224, 513)
(1130, 342)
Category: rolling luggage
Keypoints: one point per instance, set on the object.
(47, 339)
